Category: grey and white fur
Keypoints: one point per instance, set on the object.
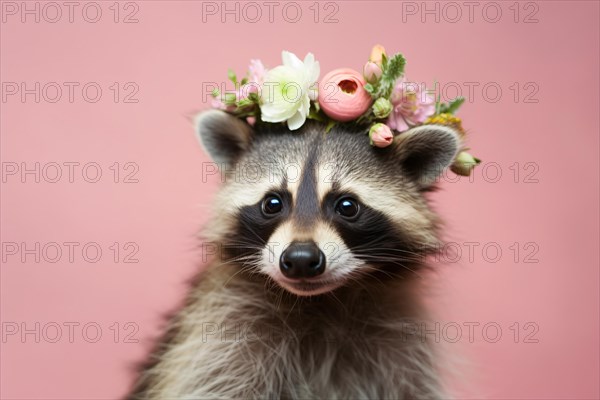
(321, 242)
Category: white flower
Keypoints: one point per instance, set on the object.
(288, 89)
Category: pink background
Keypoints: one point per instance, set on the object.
(170, 52)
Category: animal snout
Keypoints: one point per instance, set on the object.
(302, 260)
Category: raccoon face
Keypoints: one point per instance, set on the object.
(314, 211)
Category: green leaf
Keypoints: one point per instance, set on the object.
(393, 69)
(254, 97)
(367, 117)
(245, 103)
(230, 99)
(316, 114)
(451, 107)
(243, 113)
(215, 93)
(369, 88)
(330, 125)
(232, 77)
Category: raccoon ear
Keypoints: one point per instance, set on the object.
(223, 136)
(425, 151)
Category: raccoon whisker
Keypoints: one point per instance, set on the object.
(245, 257)
(370, 257)
(367, 268)
(344, 307)
(410, 269)
(381, 258)
(291, 309)
(385, 257)
(368, 250)
(241, 259)
(231, 277)
(366, 246)
(390, 257)
(244, 268)
(226, 262)
(241, 244)
(270, 285)
(244, 246)
(369, 243)
(336, 259)
(395, 262)
(260, 239)
(278, 290)
(256, 246)
(354, 277)
(341, 254)
(245, 262)
(271, 252)
(391, 253)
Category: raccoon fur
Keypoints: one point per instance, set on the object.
(317, 248)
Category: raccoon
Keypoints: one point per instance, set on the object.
(321, 250)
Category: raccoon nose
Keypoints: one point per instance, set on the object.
(302, 260)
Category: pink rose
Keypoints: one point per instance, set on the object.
(342, 95)
(412, 106)
(381, 135)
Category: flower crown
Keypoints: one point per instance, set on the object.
(380, 97)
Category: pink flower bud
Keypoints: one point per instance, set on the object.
(342, 95)
(251, 87)
(372, 72)
(219, 104)
(381, 135)
(377, 54)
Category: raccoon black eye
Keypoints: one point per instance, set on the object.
(347, 207)
(272, 205)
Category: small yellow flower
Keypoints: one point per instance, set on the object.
(447, 120)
